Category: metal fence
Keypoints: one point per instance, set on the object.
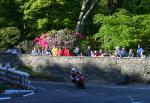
(14, 77)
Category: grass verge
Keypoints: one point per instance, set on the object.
(41, 75)
(4, 87)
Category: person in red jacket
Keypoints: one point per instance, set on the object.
(66, 52)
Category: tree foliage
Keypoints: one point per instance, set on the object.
(44, 15)
(9, 36)
(125, 27)
(122, 29)
(8, 13)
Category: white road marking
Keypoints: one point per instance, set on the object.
(28, 94)
(131, 98)
(16, 91)
(5, 98)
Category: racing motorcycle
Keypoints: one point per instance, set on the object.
(79, 81)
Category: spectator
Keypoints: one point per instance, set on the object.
(88, 52)
(43, 52)
(47, 52)
(77, 51)
(34, 51)
(60, 51)
(139, 51)
(100, 52)
(118, 52)
(92, 53)
(66, 52)
(142, 53)
(14, 51)
(131, 53)
(19, 50)
(54, 51)
(123, 52)
(8, 51)
(39, 52)
(95, 54)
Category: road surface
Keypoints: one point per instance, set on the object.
(53, 92)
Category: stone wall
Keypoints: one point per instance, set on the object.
(100, 69)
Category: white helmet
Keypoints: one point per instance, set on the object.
(73, 69)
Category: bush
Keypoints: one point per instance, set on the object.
(9, 36)
(64, 37)
(26, 46)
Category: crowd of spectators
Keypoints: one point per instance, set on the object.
(121, 52)
(14, 50)
(64, 51)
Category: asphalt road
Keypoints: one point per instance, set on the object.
(52, 92)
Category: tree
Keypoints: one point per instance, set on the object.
(44, 15)
(9, 36)
(8, 13)
(86, 13)
(122, 29)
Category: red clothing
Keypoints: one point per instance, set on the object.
(66, 52)
(60, 52)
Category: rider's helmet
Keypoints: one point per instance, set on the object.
(73, 69)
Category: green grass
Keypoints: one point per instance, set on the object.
(40, 75)
(4, 87)
(37, 75)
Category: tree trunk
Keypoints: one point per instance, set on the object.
(87, 9)
(110, 7)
